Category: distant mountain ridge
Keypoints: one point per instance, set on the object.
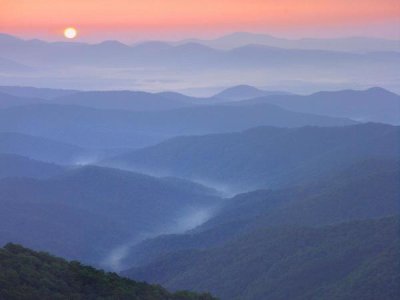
(112, 53)
(238, 39)
(352, 44)
(242, 92)
(34, 92)
(373, 104)
(112, 99)
(124, 100)
(95, 128)
(161, 66)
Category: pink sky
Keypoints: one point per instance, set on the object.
(131, 20)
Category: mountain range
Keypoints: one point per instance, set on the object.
(95, 128)
(374, 104)
(35, 92)
(193, 64)
(240, 167)
(184, 56)
(350, 44)
(324, 224)
(247, 194)
(125, 100)
(242, 92)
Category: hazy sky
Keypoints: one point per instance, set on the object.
(131, 20)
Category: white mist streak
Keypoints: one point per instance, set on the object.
(188, 221)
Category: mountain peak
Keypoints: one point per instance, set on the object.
(242, 92)
(113, 43)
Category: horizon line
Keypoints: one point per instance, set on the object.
(189, 39)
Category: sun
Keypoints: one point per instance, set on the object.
(70, 32)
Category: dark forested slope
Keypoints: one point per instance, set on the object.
(26, 274)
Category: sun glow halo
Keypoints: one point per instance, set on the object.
(70, 32)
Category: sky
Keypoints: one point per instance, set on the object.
(135, 20)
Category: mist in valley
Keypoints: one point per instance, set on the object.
(187, 221)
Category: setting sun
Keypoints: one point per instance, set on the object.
(70, 32)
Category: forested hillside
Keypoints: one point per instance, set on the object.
(26, 275)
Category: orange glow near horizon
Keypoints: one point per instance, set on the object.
(121, 17)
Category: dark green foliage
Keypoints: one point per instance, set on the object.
(26, 274)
